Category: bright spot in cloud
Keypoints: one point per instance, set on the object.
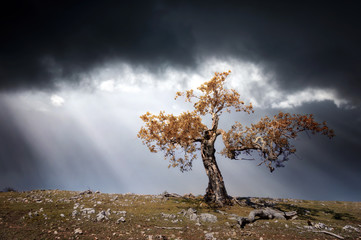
(107, 86)
(309, 95)
(57, 100)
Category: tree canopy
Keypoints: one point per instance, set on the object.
(180, 137)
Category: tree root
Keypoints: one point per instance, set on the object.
(266, 213)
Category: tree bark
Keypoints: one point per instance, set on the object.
(216, 191)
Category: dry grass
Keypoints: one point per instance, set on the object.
(51, 217)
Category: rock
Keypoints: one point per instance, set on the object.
(320, 225)
(76, 205)
(86, 192)
(221, 212)
(207, 217)
(189, 195)
(97, 191)
(170, 216)
(209, 236)
(78, 231)
(101, 216)
(122, 219)
(160, 237)
(350, 228)
(190, 213)
(88, 211)
(74, 213)
(123, 213)
(166, 194)
(62, 215)
(193, 217)
(107, 213)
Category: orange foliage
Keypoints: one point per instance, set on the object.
(270, 136)
(169, 133)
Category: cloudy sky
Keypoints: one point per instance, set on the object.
(76, 75)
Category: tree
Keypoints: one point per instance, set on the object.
(181, 137)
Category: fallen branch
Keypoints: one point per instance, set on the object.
(266, 213)
(330, 233)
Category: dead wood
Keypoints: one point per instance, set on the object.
(330, 233)
(266, 213)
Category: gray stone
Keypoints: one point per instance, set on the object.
(86, 192)
(122, 219)
(207, 217)
(107, 213)
(193, 217)
(350, 228)
(78, 231)
(74, 213)
(101, 216)
(209, 236)
(170, 216)
(88, 211)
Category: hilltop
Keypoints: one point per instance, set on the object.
(55, 214)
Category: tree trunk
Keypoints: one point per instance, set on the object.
(216, 191)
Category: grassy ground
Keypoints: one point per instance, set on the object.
(54, 214)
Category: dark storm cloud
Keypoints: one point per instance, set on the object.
(304, 45)
(43, 40)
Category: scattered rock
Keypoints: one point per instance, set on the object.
(207, 217)
(123, 213)
(189, 195)
(74, 213)
(122, 219)
(209, 236)
(350, 228)
(86, 192)
(78, 231)
(189, 212)
(87, 211)
(62, 215)
(170, 216)
(166, 194)
(221, 212)
(114, 199)
(101, 216)
(107, 213)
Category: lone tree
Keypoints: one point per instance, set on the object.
(181, 137)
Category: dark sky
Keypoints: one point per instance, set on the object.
(308, 55)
